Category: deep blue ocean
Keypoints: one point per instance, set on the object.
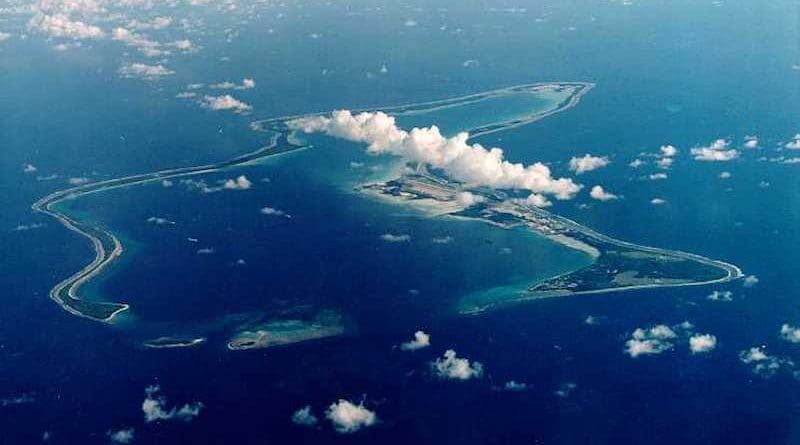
(666, 72)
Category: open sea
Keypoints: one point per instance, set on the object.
(666, 72)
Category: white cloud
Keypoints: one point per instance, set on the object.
(156, 23)
(725, 175)
(304, 416)
(443, 239)
(794, 144)
(227, 85)
(468, 199)
(720, 296)
(719, 150)
(513, 385)
(761, 363)
(147, 47)
(29, 168)
(391, 238)
(537, 200)
(587, 163)
(790, 333)
(658, 201)
(750, 281)
(421, 340)
(657, 176)
(565, 389)
(451, 367)
(4, 36)
(591, 320)
(27, 227)
(636, 163)
(123, 436)
(653, 340)
(77, 181)
(225, 102)
(160, 221)
(600, 194)
(348, 417)
(665, 163)
(668, 151)
(750, 142)
(469, 163)
(701, 343)
(410, 23)
(61, 47)
(61, 25)
(240, 183)
(184, 45)
(154, 407)
(144, 71)
(271, 211)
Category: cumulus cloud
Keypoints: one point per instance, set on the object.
(77, 180)
(665, 163)
(750, 281)
(565, 389)
(227, 85)
(61, 25)
(702, 343)
(469, 163)
(155, 409)
(27, 227)
(447, 239)
(184, 45)
(587, 163)
(160, 221)
(240, 183)
(123, 436)
(537, 200)
(668, 151)
(762, 363)
(348, 417)
(790, 333)
(468, 199)
(513, 385)
(725, 295)
(4, 36)
(601, 194)
(225, 102)
(658, 201)
(160, 22)
(146, 46)
(636, 163)
(271, 211)
(794, 144)
(653, 340)
(717, 151)
(391, 238)
(450, 366)
(657, 176)
(29, 168)
(144, 71)
(725, 175)
(750, 142)
(421, 340)
(304, 416)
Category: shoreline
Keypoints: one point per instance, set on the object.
(108, 248)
